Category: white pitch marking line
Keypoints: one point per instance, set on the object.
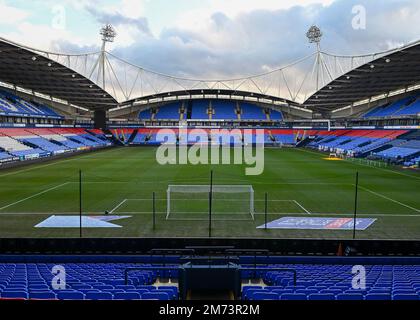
(77, 157)
(35, 195)
(302, 207)
(119, 205)
(255, 182)
(258, 200)
(390, 199)
(361, 164)
(256, 213)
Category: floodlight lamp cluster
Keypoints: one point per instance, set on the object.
(314, 34)
(108, 33)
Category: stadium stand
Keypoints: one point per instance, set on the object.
(200, 110)
(15, 147)
(40, 142)
(276, 115)
(283, 136)
(252, 112)
(146, 114)
(204, 109)
(84, 281)
(333, 282)
(169, 112)
(412, 109)
(108, 281)
(12, 105)
(224, 110)
(354, 142)
(406, 106)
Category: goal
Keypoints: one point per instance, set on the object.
(191, 202)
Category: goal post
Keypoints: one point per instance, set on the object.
(191, 201)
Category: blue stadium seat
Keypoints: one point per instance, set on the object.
(321, 296)
(405, 297)
(350, 296)
(44, 295)
(15, 294)
(70, 295)
(293, 296)
(265, 296)
(378, 296)
(155, 296)
(98, 296)
(127, 296)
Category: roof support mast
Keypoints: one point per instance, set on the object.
(314, 35)
(108, 35)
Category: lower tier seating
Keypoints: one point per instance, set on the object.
(84, 281)
(334, 282)
(106, 281)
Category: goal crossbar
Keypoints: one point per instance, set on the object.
(215, 189)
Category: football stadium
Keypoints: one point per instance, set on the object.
(118, 182)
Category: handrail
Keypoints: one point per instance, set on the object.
(275, 270)
(146, 268)
(166, 252)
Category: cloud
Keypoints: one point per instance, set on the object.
(11, 15)
(224, 39)
(118, 19)
(255, 41)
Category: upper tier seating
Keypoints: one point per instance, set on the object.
(145, 114)
(406, 106)
(200, 110)
(168, 112)
(252, 112)
(412, 109)
(12, 105)
(224, 110)
(276, 115)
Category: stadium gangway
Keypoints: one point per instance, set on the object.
(163, 253)
(285, 270)
(148, 268)
(210, 260)
(253, 252)
(210, 249)
(238, 272)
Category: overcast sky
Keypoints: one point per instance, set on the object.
(205, 38)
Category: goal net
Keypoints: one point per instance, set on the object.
(230, 202)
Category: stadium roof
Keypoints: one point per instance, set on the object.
(209, 93)
(70, 78)
(25, 68)
(398, 70)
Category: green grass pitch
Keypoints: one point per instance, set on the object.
(298, 182)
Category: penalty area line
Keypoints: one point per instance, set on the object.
(34, 195)
(118, 205)
(390, 199)
(302, 207)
